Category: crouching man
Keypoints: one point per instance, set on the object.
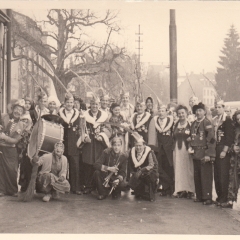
(110, 171)
(143, 169)
(52, 177)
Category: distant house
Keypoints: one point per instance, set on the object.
(199, 86)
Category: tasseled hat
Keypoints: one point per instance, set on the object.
(138, 137)
(68, 96)
(54, 99)
(124, 93)
(20, 103)
(198, 106)
(221, 102)
(104, 97)
(94, 99)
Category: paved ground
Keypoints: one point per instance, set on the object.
(85, 214)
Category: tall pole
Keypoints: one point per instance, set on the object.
(9, 55)
(173, 57)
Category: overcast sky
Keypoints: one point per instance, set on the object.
(201, 29)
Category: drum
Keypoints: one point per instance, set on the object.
(44, 136)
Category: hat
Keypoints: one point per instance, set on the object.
(105, 97)
(94, 99)
(54, 99)
(68, 96)
(116, 139)
(221, 102)
(124, 94)
(138, 137)
(199, 106)
(162, 106)
(20, 103)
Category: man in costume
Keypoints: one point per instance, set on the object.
(224, 135)
(143, 169)
(161, 140)
(70, 121)
(41, 109)
(11, 134)
(126, 107)
(140, 121)
(111, 171)
(96, 140)
(192, 101)
(202, 146)
(52, 176)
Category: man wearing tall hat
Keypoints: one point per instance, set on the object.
(95, 141)
(70, 121)
(143, 168)
(224, 134)
(140, 121)
(126, 107)
(161, 140)
(202, 148)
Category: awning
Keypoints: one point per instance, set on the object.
(4, 17)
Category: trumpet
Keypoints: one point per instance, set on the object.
(107, 179)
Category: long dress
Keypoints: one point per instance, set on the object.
(182, 162)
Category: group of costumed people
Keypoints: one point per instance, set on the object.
(114, 146)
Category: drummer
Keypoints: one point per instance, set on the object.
(70, 117)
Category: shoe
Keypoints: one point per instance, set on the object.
(55, 195)
(197, 200)
(189, 195)
(47, 197)
(101, 197)
(183, 195)
(79, 192)
(207, 202)
(226, 205)
(2, 194)
(87, 191)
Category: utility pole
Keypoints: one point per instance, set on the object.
(138, 65)
(173, 57)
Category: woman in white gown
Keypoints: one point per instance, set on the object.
(182, 162)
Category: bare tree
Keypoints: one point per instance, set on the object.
(64, 26)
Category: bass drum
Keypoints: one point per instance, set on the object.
(44, 136)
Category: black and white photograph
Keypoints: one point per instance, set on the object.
(120, 117)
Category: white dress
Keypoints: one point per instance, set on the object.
(182, 161)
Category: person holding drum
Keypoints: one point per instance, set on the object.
(11, 134)
(70, 121)
(51, 179)
(96, 140)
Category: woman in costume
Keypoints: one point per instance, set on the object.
(149, 106)
(182, 162)
(11, 133)
(112, 164)
(118, 117)
(52, 177)
(30, 109)
(234, 173)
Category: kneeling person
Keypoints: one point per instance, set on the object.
(111, 171)
(52, 177)
(143, 169)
